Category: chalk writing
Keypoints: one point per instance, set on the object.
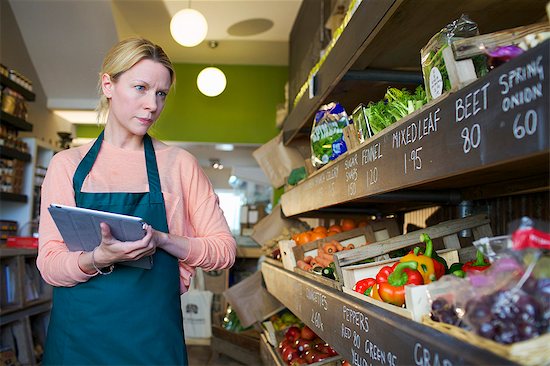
(355, 317)
(423, 357)
(471, 104)
(416, 131)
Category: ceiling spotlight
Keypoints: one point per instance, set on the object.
(211, 81)
(216, 164)
(188, 27)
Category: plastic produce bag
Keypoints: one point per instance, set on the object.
(509, 302)
(434, 70)
(327, 136)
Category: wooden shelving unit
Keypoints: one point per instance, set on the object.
(25, 304)
(469, 145)
(25, 299)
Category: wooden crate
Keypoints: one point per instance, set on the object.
(375, 231)
(532, 352)
(243, 347)
(416, 296)
(445, 233)
(473, 46)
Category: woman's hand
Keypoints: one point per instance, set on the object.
(111, 250)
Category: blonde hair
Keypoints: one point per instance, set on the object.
(122, 57)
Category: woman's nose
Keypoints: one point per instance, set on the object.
(151, 102)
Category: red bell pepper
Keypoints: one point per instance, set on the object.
(392, 280)
(479, 265)
(364, 286)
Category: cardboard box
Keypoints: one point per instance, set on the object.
(273, 225)
(278, 160)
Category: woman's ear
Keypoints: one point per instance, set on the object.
(106, 85)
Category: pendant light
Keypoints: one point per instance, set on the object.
(211, 81)
(188, 27)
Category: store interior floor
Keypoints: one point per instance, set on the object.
(202, 356)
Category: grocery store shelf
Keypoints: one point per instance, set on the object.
(365, 334)
(472, 138)
(388, 35)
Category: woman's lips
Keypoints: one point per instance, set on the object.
(146, 121)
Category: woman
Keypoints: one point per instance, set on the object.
(108, 313)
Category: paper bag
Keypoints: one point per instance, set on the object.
(251, 301)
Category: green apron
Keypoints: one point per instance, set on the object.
(131, 316)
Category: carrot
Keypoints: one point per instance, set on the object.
(326, 256)
(350, 246)
(303, 265)
(339, 247)
(313, 263)
(308, 259)
(322, 261)
(329, 248)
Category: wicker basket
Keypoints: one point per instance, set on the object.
(534, 352)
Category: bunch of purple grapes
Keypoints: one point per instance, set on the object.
(512, 315)
(445, 312)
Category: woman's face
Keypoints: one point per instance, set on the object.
(137, 98)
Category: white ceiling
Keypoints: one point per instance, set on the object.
(67, 39)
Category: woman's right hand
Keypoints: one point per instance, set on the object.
(111, 250)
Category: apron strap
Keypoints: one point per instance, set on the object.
(152, 171)
(86, 165)
(88, 161)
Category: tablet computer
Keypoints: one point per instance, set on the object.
(80, 229)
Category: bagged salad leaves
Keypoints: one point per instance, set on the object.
(327, 136)
(434, 70)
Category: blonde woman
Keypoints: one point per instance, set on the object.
(104, 312)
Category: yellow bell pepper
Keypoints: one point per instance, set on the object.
(425, 264)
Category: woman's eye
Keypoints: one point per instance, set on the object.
(162, 94)
(139, 87)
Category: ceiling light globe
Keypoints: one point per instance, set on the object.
(188, 27)
(211, 81)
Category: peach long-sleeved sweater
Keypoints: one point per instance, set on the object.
(192, 208)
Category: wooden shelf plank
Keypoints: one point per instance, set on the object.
(15, 122)
(27, 94)
(42, 307)
(6, 196)
(354, 329)
(11, 153)
(471, 137)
